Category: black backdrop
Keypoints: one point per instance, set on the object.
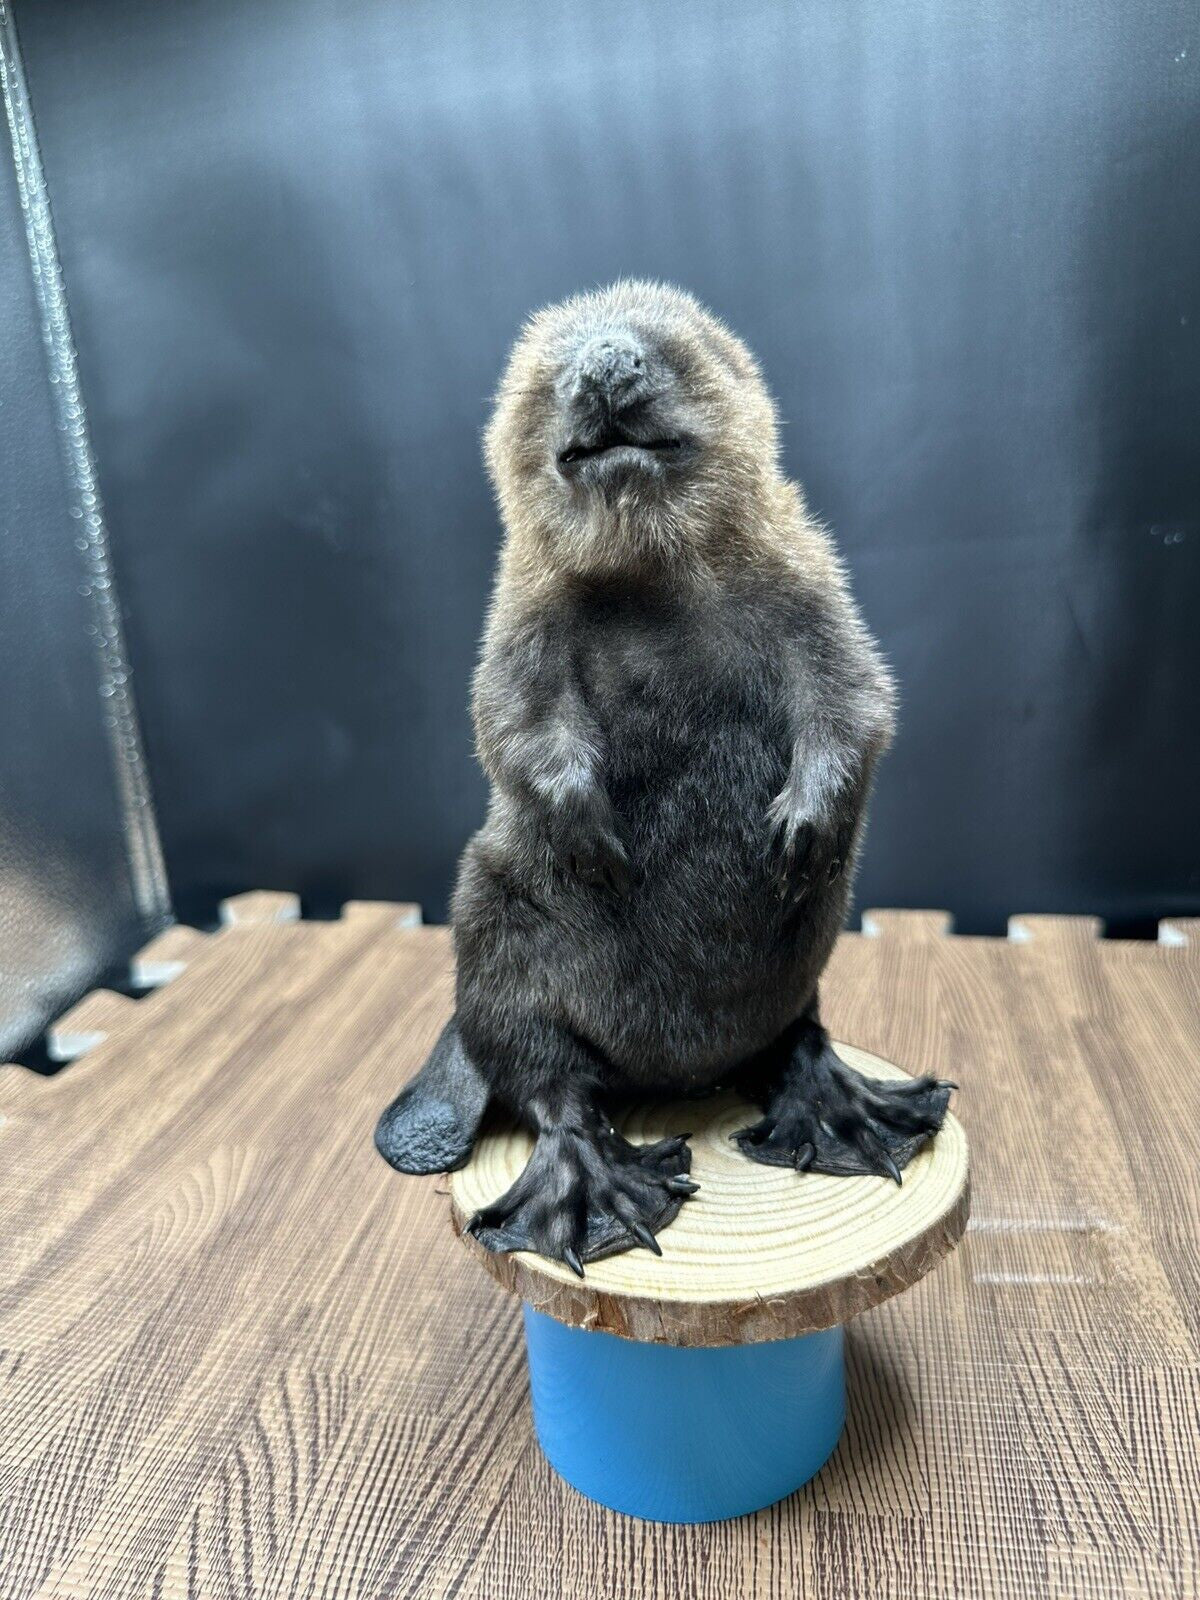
(965, 241)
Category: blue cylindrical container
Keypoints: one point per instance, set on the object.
(680, 1434)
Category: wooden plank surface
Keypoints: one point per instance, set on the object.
(239, 1357)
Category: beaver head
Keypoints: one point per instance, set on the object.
(631, 430)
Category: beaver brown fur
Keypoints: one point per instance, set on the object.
(680, 711)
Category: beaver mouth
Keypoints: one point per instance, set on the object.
(577, 451)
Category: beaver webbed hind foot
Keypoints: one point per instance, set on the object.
(822, 1116)
(588, 1194)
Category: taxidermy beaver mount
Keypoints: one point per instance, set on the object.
(680, 711)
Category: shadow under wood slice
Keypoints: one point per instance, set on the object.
(259, 906)
(164, 958)
(89, 1023)
(914, 927)
(1025, 928)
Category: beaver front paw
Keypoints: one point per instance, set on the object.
(805, 851)
(586, 843)
(583, 1196)
(601, 862)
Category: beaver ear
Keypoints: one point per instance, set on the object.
(431, 1124)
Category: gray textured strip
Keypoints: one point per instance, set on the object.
(147, 871)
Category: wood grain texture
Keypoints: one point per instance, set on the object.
(239, 1357)
(759, 1253)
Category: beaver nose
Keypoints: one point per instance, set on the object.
(610, 368)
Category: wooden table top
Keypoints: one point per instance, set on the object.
(240, 1357)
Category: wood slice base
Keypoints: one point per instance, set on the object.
(759, 1253)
